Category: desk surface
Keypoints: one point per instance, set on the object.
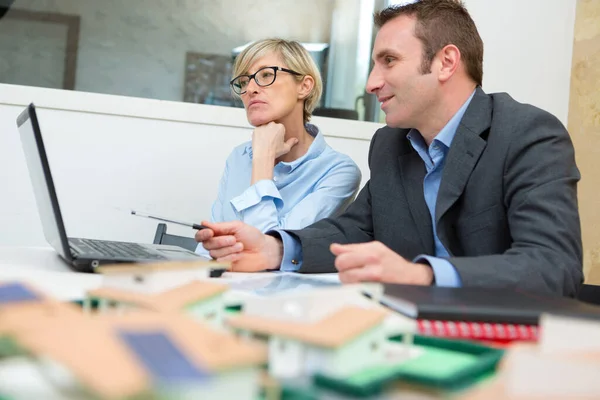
(43, 268)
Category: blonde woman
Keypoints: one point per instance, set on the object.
(287, 177)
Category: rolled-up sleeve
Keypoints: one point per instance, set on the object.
(255, 194)
(260, 205)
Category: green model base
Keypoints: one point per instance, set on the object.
(446, 365)
(290, 393)
(9, 348)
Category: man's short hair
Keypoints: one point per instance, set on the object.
(438, 24)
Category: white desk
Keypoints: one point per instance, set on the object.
(44, 269)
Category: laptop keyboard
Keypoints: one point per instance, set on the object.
(117, 249)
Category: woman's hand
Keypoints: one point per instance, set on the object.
(268, 144)
(268, 141)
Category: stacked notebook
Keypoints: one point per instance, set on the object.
(476, 313)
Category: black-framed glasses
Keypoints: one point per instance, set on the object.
(263, 77)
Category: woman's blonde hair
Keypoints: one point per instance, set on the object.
(296, 58)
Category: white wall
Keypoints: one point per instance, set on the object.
(528, 46)
(111, 154)
(35, 42)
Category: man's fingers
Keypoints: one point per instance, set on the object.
(337, 248)
(351, 276)
(222, 228)
(219, 242)
(354, 259)
(225, 251)
(203, 235)
(369, 273)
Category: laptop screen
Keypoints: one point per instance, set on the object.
(41, 180)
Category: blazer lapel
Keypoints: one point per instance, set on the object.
(412, 171)
(465, 150)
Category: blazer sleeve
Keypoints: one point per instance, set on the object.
(540, 197)
(353, 226)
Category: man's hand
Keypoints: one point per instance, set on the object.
(374, 262)
(268, 141)
(247, 248)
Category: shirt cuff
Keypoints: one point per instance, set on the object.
(292, 251)
(444, 272)
(254, 195)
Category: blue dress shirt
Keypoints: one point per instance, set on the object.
(320, 184)
(434, 158)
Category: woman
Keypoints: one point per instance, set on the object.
(287, 177)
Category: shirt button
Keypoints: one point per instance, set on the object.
(274, 179)
(295, 262)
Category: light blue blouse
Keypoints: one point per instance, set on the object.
(317, 185)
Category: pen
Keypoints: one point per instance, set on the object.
(191, 225)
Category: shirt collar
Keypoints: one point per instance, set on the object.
(446, 135)
(315, 149)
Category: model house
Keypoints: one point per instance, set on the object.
(200, 299)
(340, 344)
(149, 355)
(313, 304)
(23, 309)
(14, 293)
(331, 331)
(156, 277)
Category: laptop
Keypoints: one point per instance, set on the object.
(83, 255)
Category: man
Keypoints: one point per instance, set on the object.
(466, 188)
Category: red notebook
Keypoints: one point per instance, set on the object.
(478, 330)
(495, 315)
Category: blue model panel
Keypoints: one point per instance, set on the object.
(16, 293)
(161, 357)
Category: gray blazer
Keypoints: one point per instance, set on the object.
(506, 209)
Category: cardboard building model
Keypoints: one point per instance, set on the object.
(331, 331)
(340, 344)
(200, 299)
(156, 277)
(140, 354)
(23, 308)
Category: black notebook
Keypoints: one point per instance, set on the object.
(480, 305)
